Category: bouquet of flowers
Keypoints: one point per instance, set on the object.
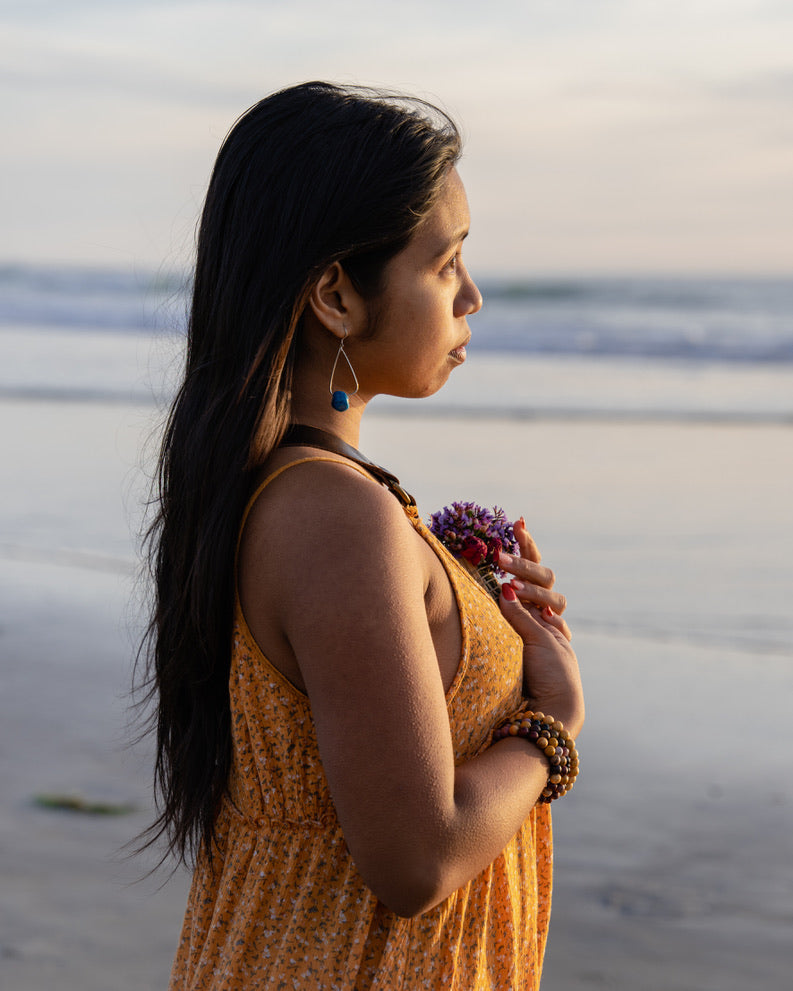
(475, 536)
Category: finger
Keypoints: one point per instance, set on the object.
(528, 549)
(524, 620)
(552, 619)
(539, 596)
(528, 571)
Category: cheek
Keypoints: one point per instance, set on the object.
(412, 311)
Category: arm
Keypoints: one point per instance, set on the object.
(417, 827)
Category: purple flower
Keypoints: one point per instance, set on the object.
(472, 532)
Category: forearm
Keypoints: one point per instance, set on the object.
(493, 795)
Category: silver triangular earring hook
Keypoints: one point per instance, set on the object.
(340, 400)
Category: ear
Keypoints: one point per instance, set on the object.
(336, 303)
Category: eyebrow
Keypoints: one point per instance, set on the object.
(450, 242)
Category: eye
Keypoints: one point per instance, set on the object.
(452, 263)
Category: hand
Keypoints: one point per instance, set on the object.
(533, 582)
(551, 679)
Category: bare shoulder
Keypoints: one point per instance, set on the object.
(329, 565)
(325, 525)
(313, 504)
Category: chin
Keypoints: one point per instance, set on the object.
(429, 390)
(414, 390)
(432, 387)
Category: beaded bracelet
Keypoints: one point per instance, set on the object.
(555, 742)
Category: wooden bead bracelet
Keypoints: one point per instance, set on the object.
(553, 740)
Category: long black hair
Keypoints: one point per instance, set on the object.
(309, 176)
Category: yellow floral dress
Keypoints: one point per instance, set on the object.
(282, 906)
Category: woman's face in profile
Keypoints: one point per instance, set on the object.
(422, 326)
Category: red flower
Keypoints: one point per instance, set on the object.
(474, 550)
(494, 548)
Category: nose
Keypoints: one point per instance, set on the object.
(469, 298)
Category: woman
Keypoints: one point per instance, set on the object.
(327, 678)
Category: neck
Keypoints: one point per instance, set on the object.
(311, 406)
(347, 425)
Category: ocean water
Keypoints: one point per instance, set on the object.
(682, 348)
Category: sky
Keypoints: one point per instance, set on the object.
(602, 136)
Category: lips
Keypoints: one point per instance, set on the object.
(459, 353)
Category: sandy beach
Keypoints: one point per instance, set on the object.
(674, 545)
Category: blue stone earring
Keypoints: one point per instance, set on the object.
(339, 399)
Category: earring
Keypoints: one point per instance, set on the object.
(339, 399)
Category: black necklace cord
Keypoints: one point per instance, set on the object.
(301, 435)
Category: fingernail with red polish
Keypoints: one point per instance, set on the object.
(517, 584)
(509, 593)
(548, 612)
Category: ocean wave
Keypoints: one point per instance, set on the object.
(729, 320)
(689, 319)
(90, 298)
(145, 369)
